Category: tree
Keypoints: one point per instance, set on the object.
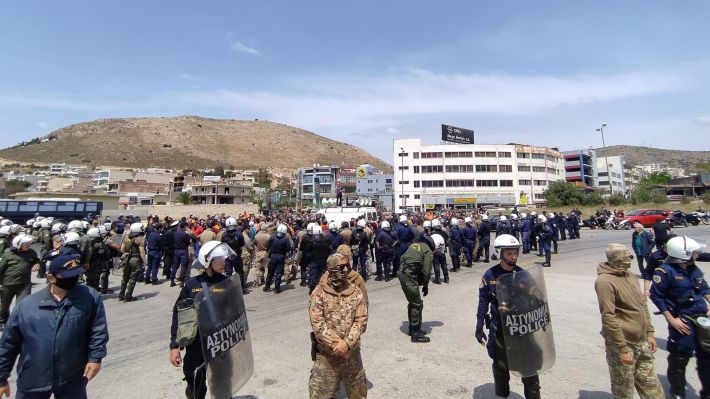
(640, 195)
(263, 178)
(702, 167)
(561, 193)
(656, 178)
(184, 198)
(15, 186)
(283, 183)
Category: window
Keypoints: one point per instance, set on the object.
(460, 154)
(416, 169)
(603, 174)
(538, 156)
(552, 171)
(506, 183)
(388, 181)
(79, 207)
(459, 168)
(432, 168)
(404, 168)
(402, 182)
(540, 182)
(403, 154)
(417, 196)
(524, 182)
(551, 158)
(486, 168)
(432, 183)
(485, 154)
(51, 207)
(505, 168)
(404, 196)
(417, 184)
(65, 207)
(539, 169)
(432, 154)
(504, 154)
(523, 155)
(486, 183)
(28, 206)
(416, 155)
(459, 183)
(523, 168)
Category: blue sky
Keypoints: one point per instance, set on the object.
(367, 72)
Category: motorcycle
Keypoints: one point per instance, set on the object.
(677, 219)
(624, 225)
(617, 224)
(702, 215)
(689, 217)
(591, 223)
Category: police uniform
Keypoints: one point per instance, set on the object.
(180, 260)
(278, 248)
(488, 302)
(484, 241)
(439, 259)
(525, 229)
(682, 292)
(405, 236)
(317, 251)
(544, 240)
(235, 240)
(359, 246)
(469, 242)
(154, 247)
(384, 242)
(97, 262)
(456, 241)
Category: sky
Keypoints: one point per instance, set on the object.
(544, 73)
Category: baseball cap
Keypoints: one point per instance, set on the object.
(66, 266)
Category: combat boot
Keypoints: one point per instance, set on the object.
(676, 374)
(172, 283)
(531, 386)
(122, 293)
(548, 258)
(446, 279)
(277, 289)
(379, 278)
(501, 380)
(436, 281)
(419, 337)
(129, 293)
(267, 288)
(415, 329)
(469, 264)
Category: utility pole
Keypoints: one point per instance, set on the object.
(606, 160)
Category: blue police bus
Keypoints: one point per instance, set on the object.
(65, 209)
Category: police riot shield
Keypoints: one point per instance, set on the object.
(525, 321)
(226, 342)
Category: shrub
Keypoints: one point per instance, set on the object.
(659, 197)
(616, 200)
(706, 198)
(685, 200)
(640, 195)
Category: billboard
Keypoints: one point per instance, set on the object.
(455, 134)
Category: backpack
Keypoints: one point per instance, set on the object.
(187, 322)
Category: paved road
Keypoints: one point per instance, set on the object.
(453, 365)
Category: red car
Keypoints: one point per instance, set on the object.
(647, 217)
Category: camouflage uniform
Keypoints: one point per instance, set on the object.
(337, 316)
(260, 259)
(247, 254)
(626, 325)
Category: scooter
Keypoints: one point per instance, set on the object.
(624, 225)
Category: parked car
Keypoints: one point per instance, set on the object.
(647, 217)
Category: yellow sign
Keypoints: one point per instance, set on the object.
(361, 173)
(523, 199)
(463, 200)
(430, 206)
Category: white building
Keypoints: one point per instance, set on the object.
(469, 175)
(614, 172)
(373, 183)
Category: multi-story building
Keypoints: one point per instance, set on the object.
(581, 167)
(611, 175)
(663, 167)
(319, 179)
(469, 175)
(120, 181)
(373, 183)
(218, 193)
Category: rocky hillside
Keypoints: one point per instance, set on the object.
(188, 142)
(645, 155)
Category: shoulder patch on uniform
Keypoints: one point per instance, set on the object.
(657, 279)
(658, 269)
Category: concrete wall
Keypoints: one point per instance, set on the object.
(178, 211)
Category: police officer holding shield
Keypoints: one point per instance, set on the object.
(681, 293)
(489, 315)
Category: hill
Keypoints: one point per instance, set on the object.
(644, 155)
(188, 142)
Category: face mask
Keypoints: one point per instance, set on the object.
(338, 277)
(66, 283)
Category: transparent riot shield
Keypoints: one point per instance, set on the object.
(226, 342)
(525, 321)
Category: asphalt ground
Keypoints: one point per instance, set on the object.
(452, 365)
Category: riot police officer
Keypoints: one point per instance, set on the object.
(680, 293)
(234, 238)
(488, 314)
(484, 239)
(278, 248)
(317, 250)
(469, 240)
(135, 248)
(439, 257)
(544, 239)
(525, 231)
(359, 244)
(405, 236)
(456, 244)
(384, 242)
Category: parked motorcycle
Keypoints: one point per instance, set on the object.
(677, 219)
(591, 223)
(702, 215)
(689, 217)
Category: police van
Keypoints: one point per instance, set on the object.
(342, 214)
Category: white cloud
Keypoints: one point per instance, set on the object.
(243, 48)
(193, 78)
(702, 120)
(42, 125)
(392, 130)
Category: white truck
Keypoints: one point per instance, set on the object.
(342, 214)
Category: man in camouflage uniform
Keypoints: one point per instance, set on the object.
(626, 327)
(338, 317)
(354, 277)
(261, 260)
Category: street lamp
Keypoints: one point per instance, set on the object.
(606, 160)
(401, 181)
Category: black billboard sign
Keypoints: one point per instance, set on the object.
(456, 134)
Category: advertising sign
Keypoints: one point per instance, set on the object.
(455, 134)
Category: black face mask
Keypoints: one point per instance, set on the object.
(67, 283)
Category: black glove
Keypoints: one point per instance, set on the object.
(425, 290)
(480, 336)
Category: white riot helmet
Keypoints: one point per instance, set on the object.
(85, 225)
(94, 232)
(4, 231)
(503, 218)
(361, 224)
(550, 215)
(439, 242)
(136, 229)
(75, 226)
(102, 230)
(281, 230)
(6, 222)
(58, 228)
(45, 224)
(533, 213)
(36, 225)
(468, 220)
(30, 222)
(427, 224)
(514, 217)
(436, 224)
(682, 248)
(454, 222)
(542, 219)
(16, 229)
(332, 226)
(212, 250)
(484, 217)
(71, 238)
(385, 225)
(107, 226)
(251, 223)
(506, 241)
(402, 218)
(309, 228)
(230, 224)
(317, 230)
(20, 240)
(523, 215)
